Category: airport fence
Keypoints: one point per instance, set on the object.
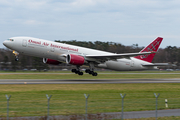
(85, 106)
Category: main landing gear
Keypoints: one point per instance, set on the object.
(76, 71)
(90, 71)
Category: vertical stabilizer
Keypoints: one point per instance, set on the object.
(151, 47)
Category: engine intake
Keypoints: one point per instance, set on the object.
(51, 61)
(75, 59)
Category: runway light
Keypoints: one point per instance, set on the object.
(166, 103)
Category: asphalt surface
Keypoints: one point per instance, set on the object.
(86, 81)
(73, 73)
(145, 114)
(114, 115)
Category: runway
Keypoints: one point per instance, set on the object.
(73, 73)
(86, 81)
(114, 115)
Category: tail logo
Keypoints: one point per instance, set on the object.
(151, 47)
(144, 56)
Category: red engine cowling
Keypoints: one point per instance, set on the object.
(51, 61)
(74, 59)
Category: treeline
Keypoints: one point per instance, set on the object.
(170, 54)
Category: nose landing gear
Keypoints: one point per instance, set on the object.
(16, 59)
(16, 55)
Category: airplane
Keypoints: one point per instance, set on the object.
(56, 53)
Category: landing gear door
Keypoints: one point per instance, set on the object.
(51, 52)
(132, 63)
(52, 49)
(24, 43)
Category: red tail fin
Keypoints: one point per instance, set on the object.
(151, 47)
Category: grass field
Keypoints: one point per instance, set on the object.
(30, 100)
(86, 76)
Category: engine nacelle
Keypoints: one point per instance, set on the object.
(75, 59)
(51, 61)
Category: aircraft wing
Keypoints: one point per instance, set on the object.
(116, 56)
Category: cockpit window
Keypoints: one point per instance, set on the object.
(11, 39)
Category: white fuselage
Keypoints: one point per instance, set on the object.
(54, 50)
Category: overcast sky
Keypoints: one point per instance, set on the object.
(123, 21)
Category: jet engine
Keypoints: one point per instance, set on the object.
(51, 61)
(75, 59)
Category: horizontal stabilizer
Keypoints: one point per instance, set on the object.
(159, 64)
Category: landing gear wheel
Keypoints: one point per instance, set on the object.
(16, 59)
(87, 70)
(76, 71)
(73, 70)
(91, 72)
(94, 74)
(80, 73)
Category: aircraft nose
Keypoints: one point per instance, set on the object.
(6, 43)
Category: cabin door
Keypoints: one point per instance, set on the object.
(24, 43)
